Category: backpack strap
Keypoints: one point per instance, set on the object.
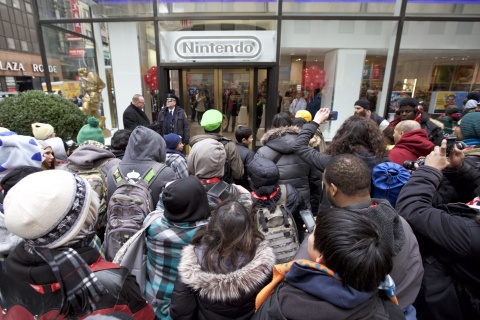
(147, 178)
(117, 175)
(281, 202)
(261, 217)
(155, 171)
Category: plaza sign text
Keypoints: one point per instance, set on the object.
(12, 66)
(18, 66)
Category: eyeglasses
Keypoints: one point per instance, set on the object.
(170, 100)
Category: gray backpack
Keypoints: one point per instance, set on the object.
(279, 228)
(127, 208)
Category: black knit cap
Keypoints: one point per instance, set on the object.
(17, 174)
(185, 200)
(364, 103)
(262, 172)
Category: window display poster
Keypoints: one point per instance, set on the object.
(445, 73)
(366, 72)
(464, 74)
(441, 99)
(395, 99)
(377, 73)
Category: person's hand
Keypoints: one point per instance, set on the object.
(240, 189)
(322, 115)
(437, 158)
(456, 159)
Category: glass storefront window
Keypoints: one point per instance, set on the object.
(65, 55)
(438, 71)
(354, 7)
(122, 8)
(443, 7)
(63, 9)
(348, 61)
(234, 7)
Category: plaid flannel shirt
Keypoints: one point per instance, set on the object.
(165, 241)
(178, 164)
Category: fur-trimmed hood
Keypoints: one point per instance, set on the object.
(278, 132)
(231, 286)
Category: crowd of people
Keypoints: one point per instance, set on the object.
(208, 251)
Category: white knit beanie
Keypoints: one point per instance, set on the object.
(49, 208)
(42, 131)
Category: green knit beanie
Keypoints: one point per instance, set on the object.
(91, 131)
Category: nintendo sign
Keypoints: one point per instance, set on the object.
(208, 46)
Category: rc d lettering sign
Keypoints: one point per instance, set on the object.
(218, 46)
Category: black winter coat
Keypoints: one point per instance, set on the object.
(278, 147)
(434, 132)
(219, 296)
(449, 239)
(133, 117)
(180, 124)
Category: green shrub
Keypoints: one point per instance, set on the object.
(18, 112)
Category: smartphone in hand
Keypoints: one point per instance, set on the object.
(333, 115)
(308, 219)
(450, 145)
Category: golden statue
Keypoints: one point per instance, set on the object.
(92, 100)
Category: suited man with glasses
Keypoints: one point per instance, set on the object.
(172, 119)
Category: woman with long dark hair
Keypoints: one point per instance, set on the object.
(361, 137)
(226, 265)
(357, 135)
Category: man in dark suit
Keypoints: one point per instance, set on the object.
(172, 119)
(134, 116)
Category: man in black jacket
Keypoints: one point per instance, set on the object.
(172, 119)
(133, 116)
(448, 234)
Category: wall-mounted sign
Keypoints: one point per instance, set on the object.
(39, 68)
(77, 27)
(11, 66)
(218, 46)
(223, 47)
(76, 52)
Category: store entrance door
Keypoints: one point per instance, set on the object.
(231, 91)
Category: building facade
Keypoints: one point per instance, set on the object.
(382, 50)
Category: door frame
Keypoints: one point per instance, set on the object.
(270, 109)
